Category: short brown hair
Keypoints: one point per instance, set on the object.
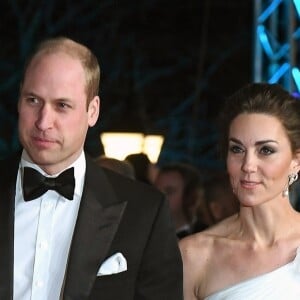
(75, 50)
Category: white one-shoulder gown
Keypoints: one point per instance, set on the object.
(280, 284)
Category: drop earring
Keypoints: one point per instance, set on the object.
(291, 179)
(285, 192)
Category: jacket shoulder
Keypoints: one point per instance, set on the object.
(9, 164)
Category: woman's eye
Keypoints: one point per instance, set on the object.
(235, 149)
(267, 150)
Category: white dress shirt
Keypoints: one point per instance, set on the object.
(42, 236)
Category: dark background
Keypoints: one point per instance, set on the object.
(167, 66)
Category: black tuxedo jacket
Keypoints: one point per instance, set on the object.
(116, 215)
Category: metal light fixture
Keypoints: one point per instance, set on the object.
(120, 144)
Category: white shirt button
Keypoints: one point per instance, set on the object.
(39, 283)
(43, 245)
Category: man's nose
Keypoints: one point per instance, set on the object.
(45, 118)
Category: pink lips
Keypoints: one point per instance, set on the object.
(249, 184)
(42, 142)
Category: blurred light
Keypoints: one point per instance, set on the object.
(297, 4)
(120, 144)
(269, 10)
(263, 37)
(296, 34)
(279, 73)
(296, 95)
(296, 76)
(152, 146)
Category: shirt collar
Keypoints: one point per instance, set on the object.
(79, 169)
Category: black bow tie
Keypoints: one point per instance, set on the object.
(35, 184)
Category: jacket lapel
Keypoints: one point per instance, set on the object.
(98, 219)
(7, 191)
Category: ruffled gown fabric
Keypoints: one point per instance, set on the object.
(280, 284)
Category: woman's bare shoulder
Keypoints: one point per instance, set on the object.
(198, 254)
(200, 245)
(195, 256)
(196, 244)
(203, 242)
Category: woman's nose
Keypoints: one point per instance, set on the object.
(249, 163)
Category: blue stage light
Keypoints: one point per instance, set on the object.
(279, 73)
(296, 76)
(269, 10)
(297, 5)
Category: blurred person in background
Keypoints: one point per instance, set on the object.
(122, 167)
(182, 185)
(220, 198)
(144, 170)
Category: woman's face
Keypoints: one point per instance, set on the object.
(259, 158)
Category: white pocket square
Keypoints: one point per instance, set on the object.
(113, 265)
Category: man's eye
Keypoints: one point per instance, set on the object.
(63, 105)
(32, 100)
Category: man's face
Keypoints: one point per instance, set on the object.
(53, 114)
(171, 184)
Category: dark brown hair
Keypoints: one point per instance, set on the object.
(263, 98)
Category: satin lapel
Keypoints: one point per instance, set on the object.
(99, 216)
(7, 191)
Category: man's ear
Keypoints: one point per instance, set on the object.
(93, 111)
